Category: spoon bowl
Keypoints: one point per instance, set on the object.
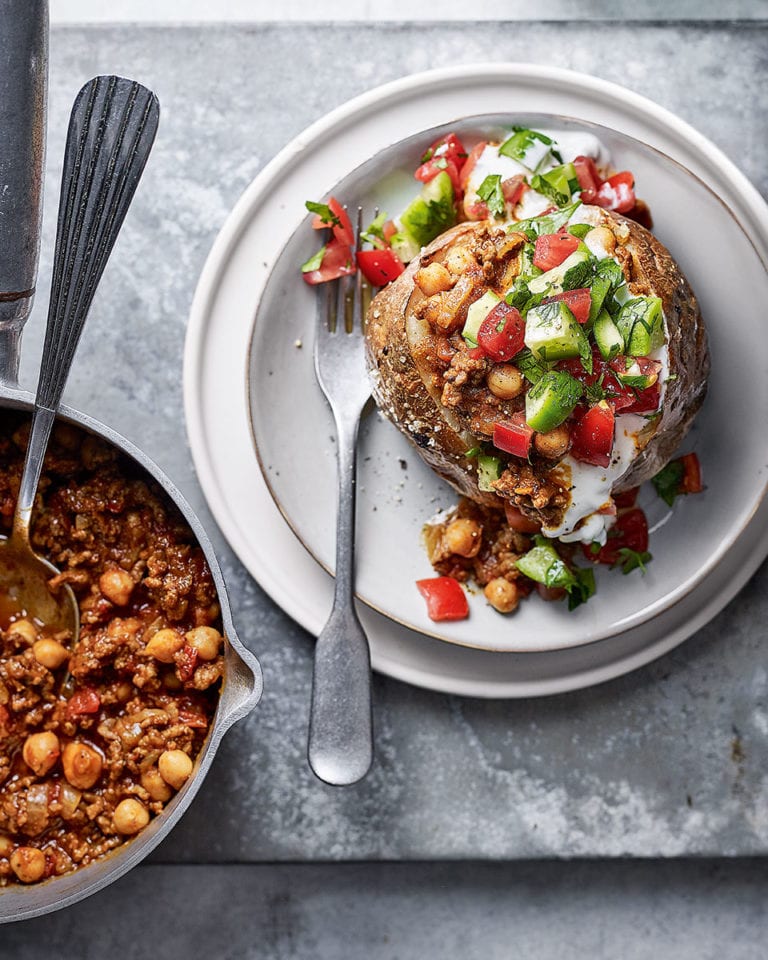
(25, 586)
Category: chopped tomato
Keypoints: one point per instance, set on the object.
(475, 353)
(379, 266)
(589, 179)
(518, 521)
(478, 211)
(552, 249)
(502, 333)
(617, 193)
(337, 261)
(639, 367)
(82, 702)
(445, 598)
(629, 532)
(449, 147)
(186, 661)
(578, 302)
(627, 498)
(192, 718)
(691, 481)
(342, 230)
(513, 188)
(471, 163)
(513, 436)
(429, 170)
(644, 401)
(389, 230)
(592, 435)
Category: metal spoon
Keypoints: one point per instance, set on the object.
(111, 131)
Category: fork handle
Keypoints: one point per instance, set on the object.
(340, 721)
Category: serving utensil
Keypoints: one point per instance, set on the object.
(111, 131)
(340, 722)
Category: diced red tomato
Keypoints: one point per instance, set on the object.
(192, 718)
(629, 532)
(617, 193)
(502, 333)
(589, 179)
(513, 188)
(592, 435)
(645, 401)
(478, 211)
(446, 599)
(513, 436)
(645, 367)
(518, 521)
(552, 249)
(449, 147)
(389, 230)
(380, 266)
(338, 261)
(471, 162)
(82, 702)
(578, 302)
(627, 498)
(186, 661)
(429, 170)
(691, 481)
(476, 353)
(342, 230)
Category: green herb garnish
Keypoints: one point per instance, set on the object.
(323, 211)
(314, 261)
(668, 481)
(632, 560)
(490, 191)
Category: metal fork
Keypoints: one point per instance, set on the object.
(340, 724)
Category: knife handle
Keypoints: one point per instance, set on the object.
(23, 90)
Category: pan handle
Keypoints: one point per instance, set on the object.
(23, 89)
(244, 684)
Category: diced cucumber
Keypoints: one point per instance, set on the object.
(477, 312)
(633, 376)
(538, 562)
(404, 246)
(641, 325)
(488, 470)
(609, 341)
(432, 212)
(551, 400)
(528, 147)
(552, 280)
(553, 333)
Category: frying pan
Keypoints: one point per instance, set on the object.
(23, 83)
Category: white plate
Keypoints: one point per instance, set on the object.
(226, 300)
(397, 493)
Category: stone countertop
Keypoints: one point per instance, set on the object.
(668, 761)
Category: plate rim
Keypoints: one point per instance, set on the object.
(338, 118)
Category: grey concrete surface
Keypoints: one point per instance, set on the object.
(683, 909)
(670, 761)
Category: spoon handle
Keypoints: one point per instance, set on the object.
(111, 131)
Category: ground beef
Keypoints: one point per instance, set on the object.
(534, 495)
(134, 706)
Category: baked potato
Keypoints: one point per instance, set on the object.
(531, 376)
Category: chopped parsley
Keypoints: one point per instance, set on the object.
(668, 481)
(323, 211)
(490, 191)
(314, 261)
(630, 560)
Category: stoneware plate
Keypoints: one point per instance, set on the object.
(245, 270)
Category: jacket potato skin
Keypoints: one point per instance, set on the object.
(406, 396)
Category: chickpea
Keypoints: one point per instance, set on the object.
(24, 629)
(50, 653)
(554, 443)
(6, 846)
(41, 751)
(463, 537)
(164, 644)
(82, 764)
(155, 786)
(117, 586)
(124, 691)
(505, 381)
(433, 278)
(175, 768)
(130, 816)
(600, 241)
(206, 640)
(502, 595)
(28, 863)
(459, 259)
